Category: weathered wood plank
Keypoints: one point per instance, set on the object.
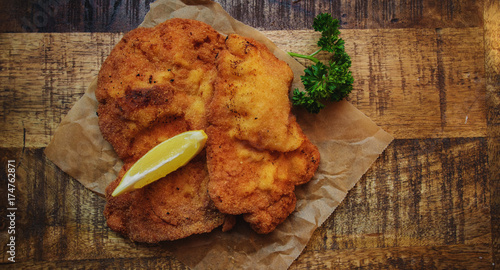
(492, 52)
(427, 257)
(111, 263)
(121, 16)
(72, 16)
(429, 193)
(277, 15)
(434, 199)
(42, 76)
(58, 219)
(414, 83)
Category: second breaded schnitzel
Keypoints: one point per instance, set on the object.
(256, 151)
(171, 208)
(156, 83)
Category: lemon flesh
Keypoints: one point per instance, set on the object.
(163, 159)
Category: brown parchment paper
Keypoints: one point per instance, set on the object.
(349, 143)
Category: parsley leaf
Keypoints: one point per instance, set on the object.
(325, 82)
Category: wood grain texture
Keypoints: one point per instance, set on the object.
(42, 76)
(424, 203)
(59, 221)
(411, 90)
(427, 257)
(439, 191)
(276, 15)
(420, 198)
(112, 263)
(414, 83)
(72, 16)
(492, 51)
(124, 15)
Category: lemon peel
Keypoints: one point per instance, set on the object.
(161, 160)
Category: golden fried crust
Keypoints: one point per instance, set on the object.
(257, 183)
(182, 75)
(265, 220)
(155, 76)
(252, 96)
(171, 208)
(156, 83)
(256, 151)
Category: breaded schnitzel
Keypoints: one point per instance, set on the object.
(156, 83)
(171, 208)
(256, 151)
(157, 78)
(182, 75)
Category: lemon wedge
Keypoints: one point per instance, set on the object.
(163, 159)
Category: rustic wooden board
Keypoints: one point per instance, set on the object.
(407, 80)
(118, 15)
(492, 65)
(431, 194)
(42, 76)
(426, 71)
(426, 257)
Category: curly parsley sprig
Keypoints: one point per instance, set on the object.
(332, 81)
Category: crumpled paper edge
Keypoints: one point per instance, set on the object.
(93, 149)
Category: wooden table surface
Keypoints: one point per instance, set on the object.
(428, 72)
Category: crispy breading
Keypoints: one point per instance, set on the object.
(182, 75)
(154, 77)
(156, 83)
(256, 151)
(171, 208)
